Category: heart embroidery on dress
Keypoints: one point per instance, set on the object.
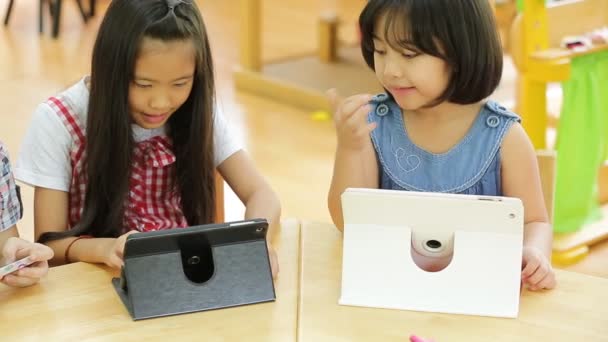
(407, 164)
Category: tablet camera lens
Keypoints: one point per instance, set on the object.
(433, 244)
(194, 260)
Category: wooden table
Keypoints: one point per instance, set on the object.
(577, 310)
(77, 302)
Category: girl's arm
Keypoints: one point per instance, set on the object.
(257, 195)
(51, 215)
(355, 164)
(252, 189)
(521, 179)
(352, 169)
(6, 234)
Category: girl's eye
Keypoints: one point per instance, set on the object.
(380, 52)
(139, 85)
(410, 55)
(179, 85)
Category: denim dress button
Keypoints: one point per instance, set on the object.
(380, 98)
(382, 110)
(493, 121)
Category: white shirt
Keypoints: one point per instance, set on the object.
(44, 159)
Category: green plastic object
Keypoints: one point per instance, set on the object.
(520, 4)
(582, 142)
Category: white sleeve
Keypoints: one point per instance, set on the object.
(226, 143)
(44, 159)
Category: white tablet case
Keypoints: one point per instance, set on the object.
(483, 277)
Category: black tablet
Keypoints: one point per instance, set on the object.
(195, 269)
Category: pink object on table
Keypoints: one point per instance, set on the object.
(415, 338)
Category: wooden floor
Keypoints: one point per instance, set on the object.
(293, 151)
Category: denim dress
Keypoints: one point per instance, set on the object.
(472, 166)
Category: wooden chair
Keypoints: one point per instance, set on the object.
(9, 9)
(546, 165)
(535, 47)
(55, 10)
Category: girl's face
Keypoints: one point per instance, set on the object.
(414, 79)
(163, 78)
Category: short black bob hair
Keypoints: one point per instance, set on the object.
(461, 32)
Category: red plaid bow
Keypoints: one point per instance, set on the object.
(157, 151)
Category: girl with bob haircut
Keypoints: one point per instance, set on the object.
(433, 128)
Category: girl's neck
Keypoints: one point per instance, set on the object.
(445, 112)
(440, 128)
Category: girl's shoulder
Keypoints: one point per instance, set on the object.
(494, 108)
(69, 106)
(5, 168)
(4, 158)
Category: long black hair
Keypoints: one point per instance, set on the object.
(110, 142)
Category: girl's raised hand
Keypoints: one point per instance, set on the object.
(350, 118)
